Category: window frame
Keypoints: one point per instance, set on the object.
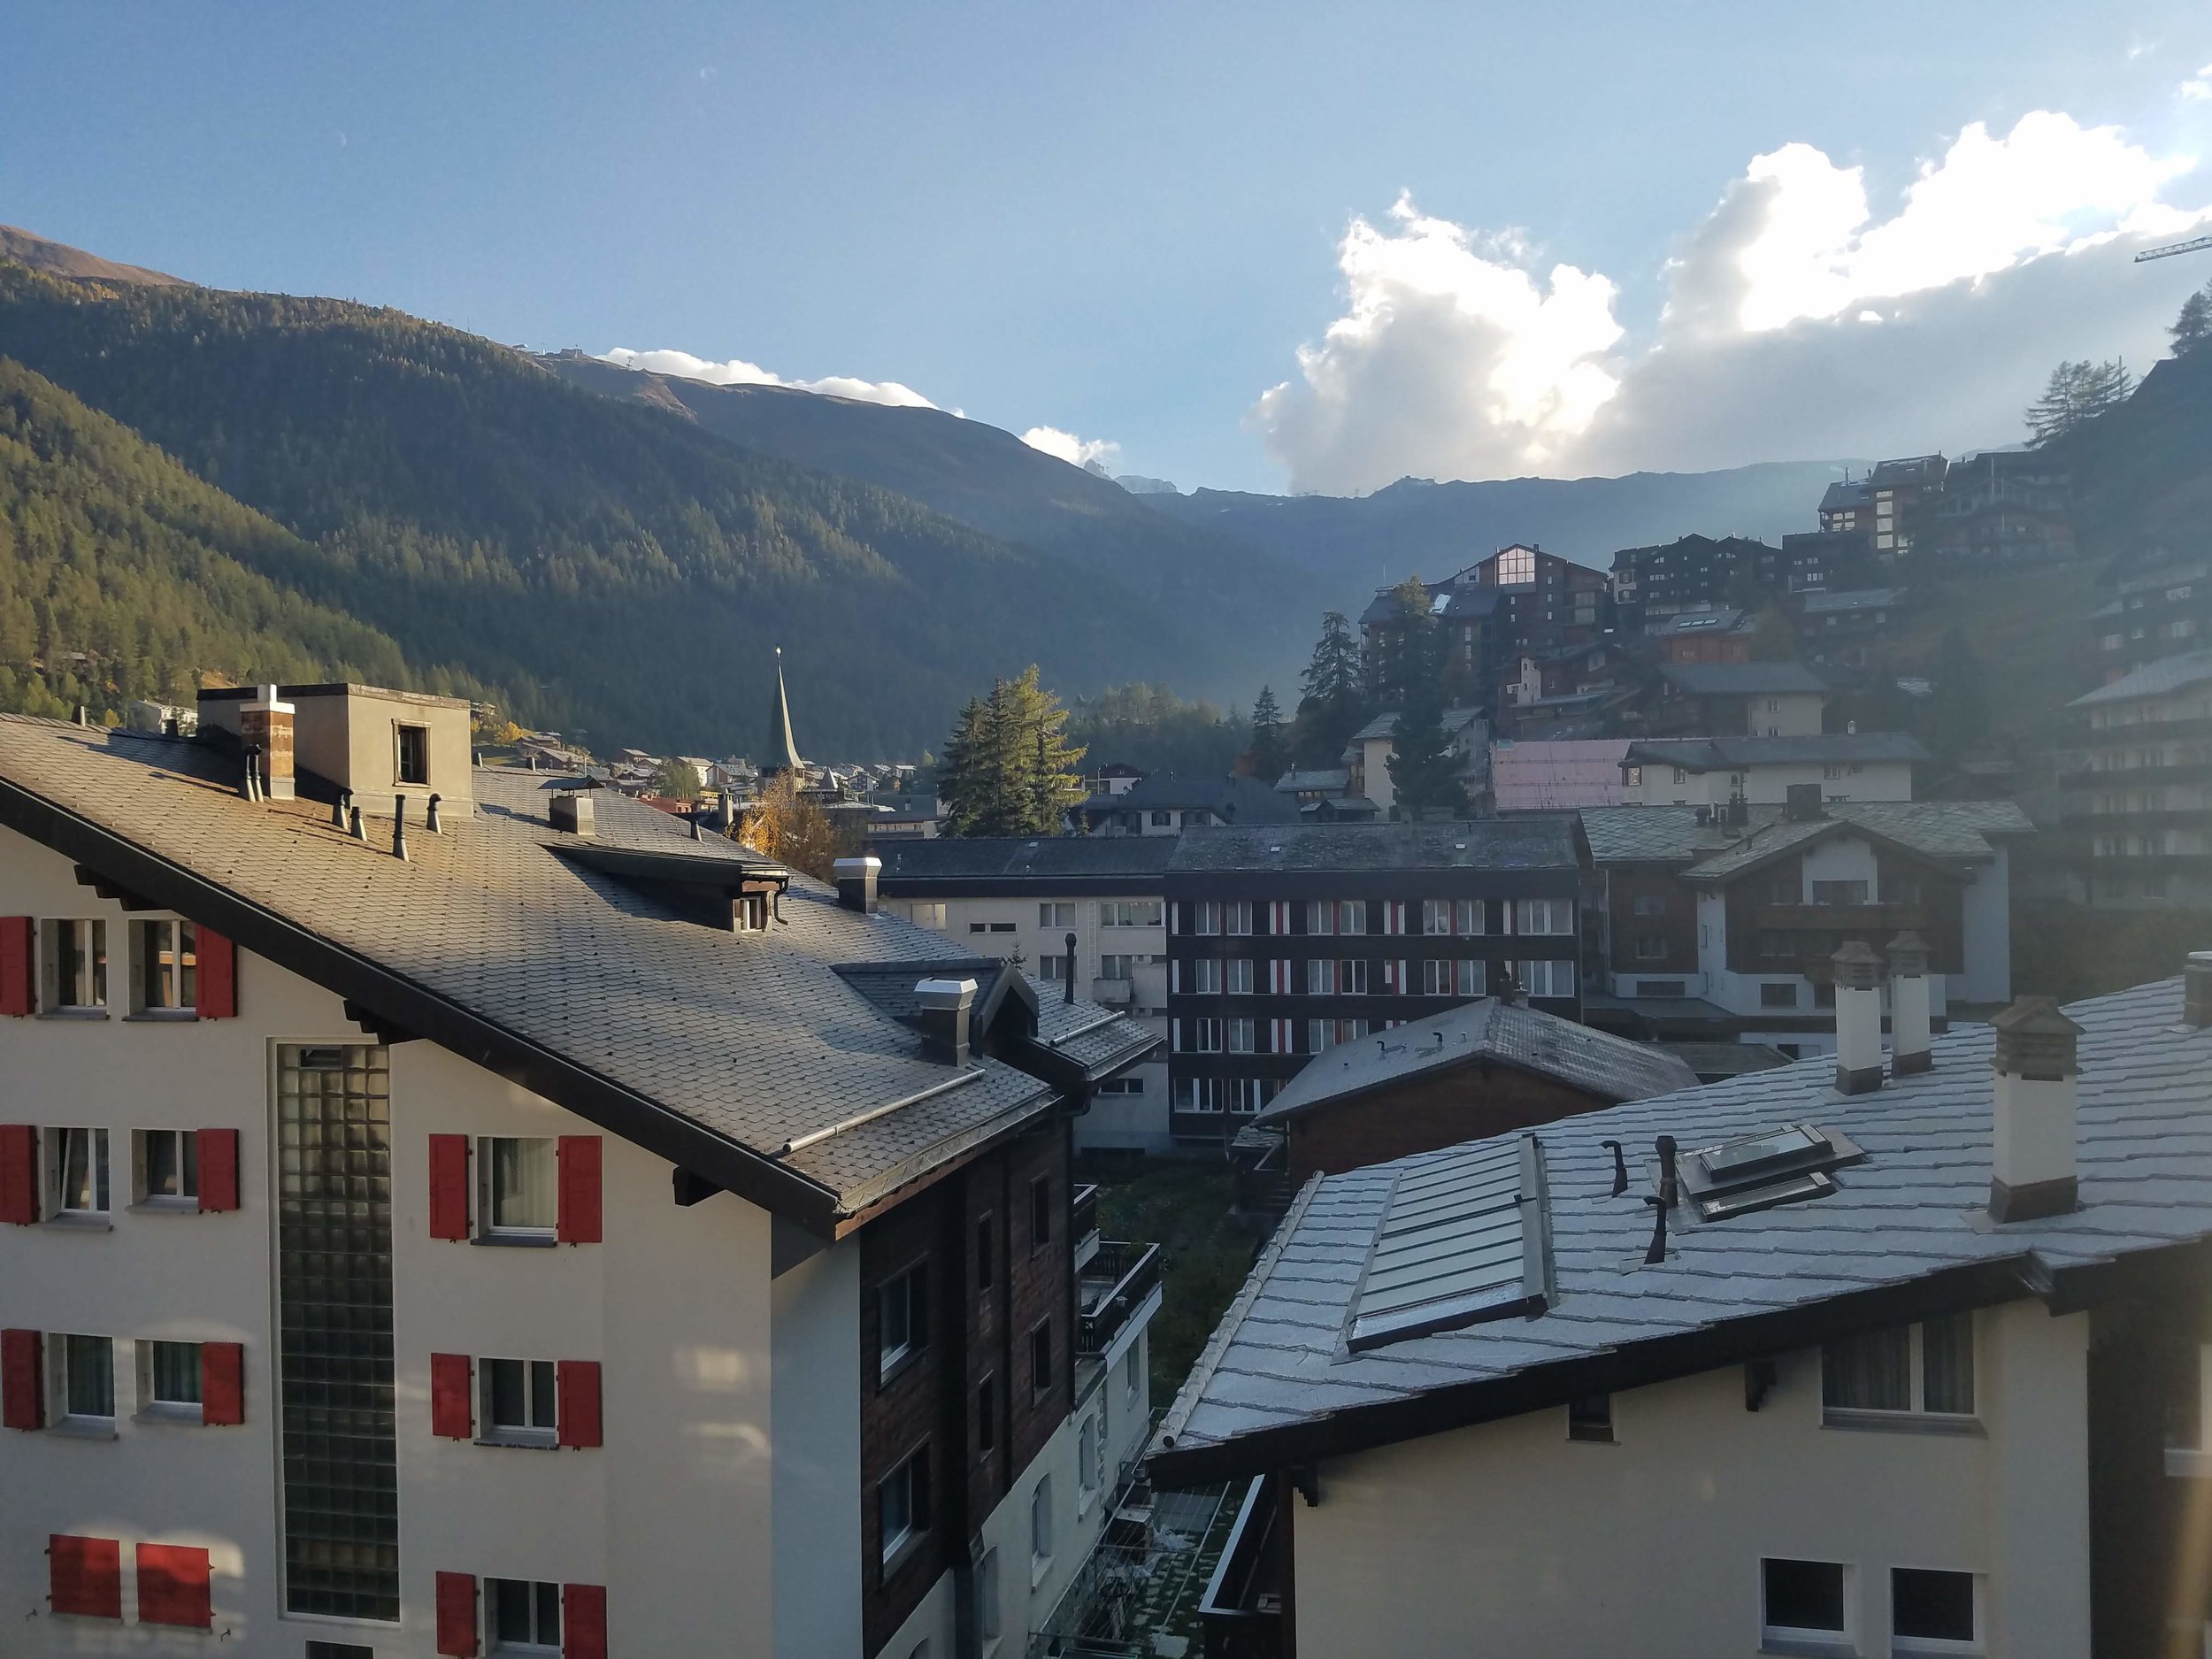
(495, 1642)
(69, 963)
(410, 742)
(492, 1432)
(1903, 1642)
(1041, 1217)
(99, 1172)
(62, 1374)
(1839, 1640)
(910, 1479)
(489, 1227)
(160, 947)
(1915, 1416)
(906, 1290)
(185, 1143)
(1043, 1367)
(153, 1406)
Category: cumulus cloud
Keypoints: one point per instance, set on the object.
(2198, 88)
(1098, 454)
(737, 371)
(1458, 357)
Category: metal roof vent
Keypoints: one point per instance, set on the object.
(1758, 1171)
(573, 812)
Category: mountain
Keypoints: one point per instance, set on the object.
(2143, 472)
(991, 482)
(1416, 527)
(122, 575)
(604, 566)
(59, 259)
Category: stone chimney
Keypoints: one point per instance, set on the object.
(264, 725)
(2036, 1097)
(1912, 1043)
(1858, 1019)
(857, 880)
(574, 813)
(2196, 989)
(946, 1006)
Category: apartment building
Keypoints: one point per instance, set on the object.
(1165, 803)
(1520, 599)
(1692, 572)
(2161, 606)
(1837, 625)
(1281, 942)
(1719, 922)
(1825, 558)
(1906, 1356)
(2001, 510)
(1715, 772)
(444, 1211)
(1736, 700)
(2137, 793)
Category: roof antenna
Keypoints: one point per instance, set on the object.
(399, 828)
(1068, 994)
(431, 814)
(1657, 1253)
(1620, 1167)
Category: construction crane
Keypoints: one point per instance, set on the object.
(2197, 245)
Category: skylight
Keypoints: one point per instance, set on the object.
(1775, 1166)
(1466, 1238)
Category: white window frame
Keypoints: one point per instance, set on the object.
(1057, 913)
(1903, 1646)
(1916, 1415)
(488, 1187)
(185, 1144)
(153, 1406)
(161, 942)
(531, 1431)
(1238, 976)
(1551, 919)
(1040, 1530)
(1802, 1638)
(59, 1140)
(1205, 917)
(1236, 917)
(493, 1643)
(1551, 970)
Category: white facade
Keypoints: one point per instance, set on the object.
(1511, 1538)
(1767, 784)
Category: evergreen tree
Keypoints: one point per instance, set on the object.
(1334, 704)
(1051, 779)
(1271, 756)
(2077, 394)
(1424, 771)
(2192, 329)
(1009, 768)
(963, 774)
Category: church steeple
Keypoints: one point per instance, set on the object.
(783, 753)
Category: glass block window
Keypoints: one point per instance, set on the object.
(335, 1330)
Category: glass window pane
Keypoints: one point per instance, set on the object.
(163, 1177)
(1947, 1348)
(549, 1615)
(506, 1392)
(523, 1183)
(1933, 1606)
(1804, 1594)
(92, 1367)
(176, 1368)
(1868, 1373)
(509, 1609)
(542, 1393)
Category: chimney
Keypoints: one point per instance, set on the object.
(573, 812)
(1858, 1018)
(2196, 989)
(430, 815)
(1803, 804)
(946, 1005)
(2035, 1095)
(265, 724)
(1911, 1045)
(856, 879)
(1067, 972)
(399, 828)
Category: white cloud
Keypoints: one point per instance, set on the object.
(1455, 357)
(737, 371)
(2198, 88)
(1099, 454)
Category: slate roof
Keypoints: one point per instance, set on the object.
(1140, 862)
(1386, 724)
(537, 952)
(1840, 495)
(1276, 1383)
(1333, 779)
(1239, 800)
(1515, 1034)
(1959, 829)
(2168, 674)
(1139, 859)
(1824, 603)
(1743, 679)
(1732, 754)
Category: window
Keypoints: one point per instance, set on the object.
(521, 1176)
(987, 1416)
(1782, 996)
(1321, 915)
(1394, 916)
(1116, 967)
(1040, 1213)
(1129, 1373)
(1001, 927)
(1801, 1601)
(80, 1170)
(339, 1650)
(1129, 913)
(1351, 916)
(1201, 978)
(978, 927)
(1040, 1361)
(77, 964)
(518, 1397)
(1205, 915)
(525, 1616)
(1838, 892)
(1472, 915)
(1516, 567)
(902, 1318)
(1651, 904)
(1162, 820)
(928, 916)
(1321, 977)
(989, 1621)
(1086, 1462)
(1543, 916)
(1925, 1370)
(1651, 947)
(413, 761)
(902, 1503)
(1198, 1094)
(168, 1166)
(1240, 976)
(1928, 1606)
(1237, 916)
(1591, 1418)
(169, 1379)
(1443, 978)
(1121, 1086)
(1053, 969)
(85, 1387)
(1546, 978)
(985, 1242)
(1198, 1036)
(1041, 1523)
(1436, 916)
(1055, 915)
(167, 965)
(1240, 1039)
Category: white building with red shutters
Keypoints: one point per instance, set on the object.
(496, 1221)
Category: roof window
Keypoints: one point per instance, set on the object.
(1758, 1171)
(1465, 1239)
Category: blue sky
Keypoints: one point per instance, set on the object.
(1123, 222)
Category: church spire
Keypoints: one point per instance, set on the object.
(783, 753)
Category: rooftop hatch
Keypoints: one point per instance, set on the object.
(1758, 1171)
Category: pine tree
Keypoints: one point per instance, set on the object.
(1424, 771)
(1271, 757)
(2077, 394)
(961, 775)
(2192, 329)
(1334, 704)
(1009, 768)
(1050, 781)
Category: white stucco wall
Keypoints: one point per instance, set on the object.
(815, 1383)
(1769, 785)
(1509, 1538)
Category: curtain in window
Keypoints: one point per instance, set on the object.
(176, 1367)
(1868, 1373)
(524, 1184)
(1946, 1352)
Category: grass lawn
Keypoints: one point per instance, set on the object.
(1183, 1207)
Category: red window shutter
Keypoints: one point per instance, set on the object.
(457, 1615)
(85, 1575)
(576, 1388)
(219, 1169)
(18, 1174)
(15, 965)
(173, 1586)
(217, 995)
(22, 1380)
(583, 1621)
(222, 1383)
(579, 1218)
(449, 1187)
(452, 1410)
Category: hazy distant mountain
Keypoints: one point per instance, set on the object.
(1418, 527)
(1136, 484)
(59, 259)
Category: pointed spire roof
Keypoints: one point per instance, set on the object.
(783, 753)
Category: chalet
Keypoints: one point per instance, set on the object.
(1736, 700)
(1714, 771)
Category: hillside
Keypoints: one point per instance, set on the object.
(1415, 527)
(2143, 473)
(613, 568)
(59, 259)
(122, 575)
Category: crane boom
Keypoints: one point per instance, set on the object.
(2194, 246)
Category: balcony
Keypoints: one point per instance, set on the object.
(1083, 1225)
(1114, 1284)
(1841, 918)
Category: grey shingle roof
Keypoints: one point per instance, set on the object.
(956, 859)
(1937, 829)
(1821, 603)
(1327, 778)
(1240, 800)
(1731, 754)
(1276, 1373)
(717, 1048)
(1743, 679)
(2168, 674)
(1526, 1038)
(1386, 724)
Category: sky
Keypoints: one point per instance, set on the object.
(1280, 247)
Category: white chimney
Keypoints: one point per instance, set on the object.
(2036, 1096)
(1911, 1047)
(2196, 989)
(1858, 1019)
